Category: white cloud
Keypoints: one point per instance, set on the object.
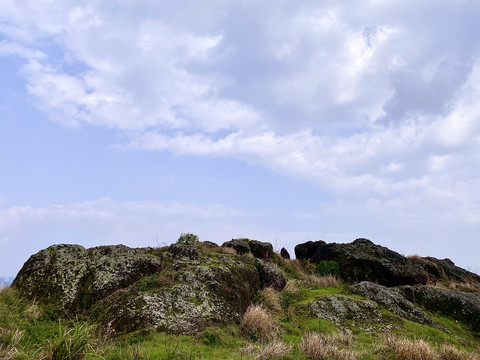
(375, 103)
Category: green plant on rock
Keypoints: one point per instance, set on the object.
(188, 239)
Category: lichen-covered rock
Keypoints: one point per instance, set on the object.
(393, 301)
(459, 305)
(76, 277)
(271, 275)
(362, 260)
(201, 295)
(181, 288)
(351, 313)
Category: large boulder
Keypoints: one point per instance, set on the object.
(180, 288)
(241, 246)
(393, 301)
(76, 277)
(459, 305)
(362, 260)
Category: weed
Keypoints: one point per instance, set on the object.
(69, 344)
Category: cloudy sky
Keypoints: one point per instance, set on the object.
(284, 121)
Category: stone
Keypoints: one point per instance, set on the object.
(181, 288)
(270, 275)
(241, 246)
(349, 313)
(393, 301)
(458, 305)
(284, 254)
(362, 260)
(261, 250)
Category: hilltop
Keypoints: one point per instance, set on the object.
(241, 300)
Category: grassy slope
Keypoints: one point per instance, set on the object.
(31, 331)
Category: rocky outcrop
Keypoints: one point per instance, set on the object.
(181, 288)
(459, 305)
(362, 260)
(259, 249)
(392, 300)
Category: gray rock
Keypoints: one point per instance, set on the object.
(459, 305)
(270, 275)
(351, 313)
(393, 301)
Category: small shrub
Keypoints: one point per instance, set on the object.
(257, 324)
(188, 239)
(327, 267)
(272, 350)
(211, 338)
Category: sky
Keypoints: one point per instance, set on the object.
(284, 121)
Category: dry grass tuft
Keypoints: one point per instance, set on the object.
(463, 286)
(257, 324)
(320, 347)
(406, 349)
(292, 286)
(226, 250)
(272, 300)
(450, 352)
(272, 350)
(321, 281)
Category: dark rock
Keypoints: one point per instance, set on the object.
(284, 254)
(362, 260)
(447, 270)
(271, 275)
(261, 250)
(241, 246)
(393, 301)
(459, 305)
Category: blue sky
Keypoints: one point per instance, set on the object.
(134, 121)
